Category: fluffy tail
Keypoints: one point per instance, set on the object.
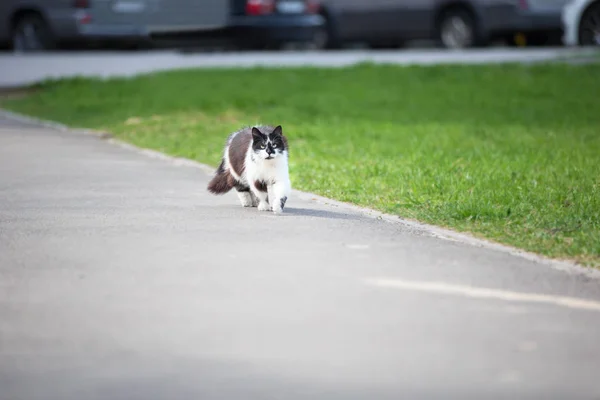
(222, 181)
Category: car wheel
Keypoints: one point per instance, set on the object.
(589, 27)
(457, 30)
(31, 33)
(326, 36)
(320, 39)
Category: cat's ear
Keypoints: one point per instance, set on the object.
(256, 134)
(278, 131)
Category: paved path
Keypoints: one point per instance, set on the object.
(26, 69)
(121, 278)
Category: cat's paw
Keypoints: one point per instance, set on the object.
(246, 203)
(263, 206)
(277, 210)
(279, 205)
(245, 199)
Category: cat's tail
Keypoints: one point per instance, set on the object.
(222, 182)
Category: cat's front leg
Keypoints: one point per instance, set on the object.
(263, 204)
(255, 199)
(280, 193)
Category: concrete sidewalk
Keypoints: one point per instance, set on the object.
(122, 278)
(18, 70)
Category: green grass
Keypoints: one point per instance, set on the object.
(510, 153)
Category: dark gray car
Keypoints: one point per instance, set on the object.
(452, 23)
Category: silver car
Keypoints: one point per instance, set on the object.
(452, 23)
(42, 24)
(33, 25)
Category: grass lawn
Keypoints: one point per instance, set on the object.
(510, 153)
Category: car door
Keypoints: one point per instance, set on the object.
(383, 19)
(405, 18)
(158, 16)
(118, 14)
(355, 19)
(177, 15)
(546, 5)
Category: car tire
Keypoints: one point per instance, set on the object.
(326, 38)
(457, 29)
(31, 33)
(321, 39)
(589, 26)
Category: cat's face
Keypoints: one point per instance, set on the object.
(268, 145)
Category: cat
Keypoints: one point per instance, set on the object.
(255, 163)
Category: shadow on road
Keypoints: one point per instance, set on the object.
(307, 212)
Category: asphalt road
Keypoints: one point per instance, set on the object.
(122, 278)
(26, 69)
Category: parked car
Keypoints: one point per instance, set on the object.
(35, 25)
(452, 23)
(581, 20)
(272, 23)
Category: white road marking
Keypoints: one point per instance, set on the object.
(358, 246)
(485, 293)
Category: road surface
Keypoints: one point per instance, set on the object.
(26, 69)
(122, 278)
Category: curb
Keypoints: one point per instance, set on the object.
(430, 230)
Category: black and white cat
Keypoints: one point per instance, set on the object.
(255, 163)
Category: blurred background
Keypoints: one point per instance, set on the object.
(47, 25)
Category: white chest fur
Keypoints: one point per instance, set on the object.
(274, 174)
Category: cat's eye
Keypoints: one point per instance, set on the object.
(262, 146)
(274, 145)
